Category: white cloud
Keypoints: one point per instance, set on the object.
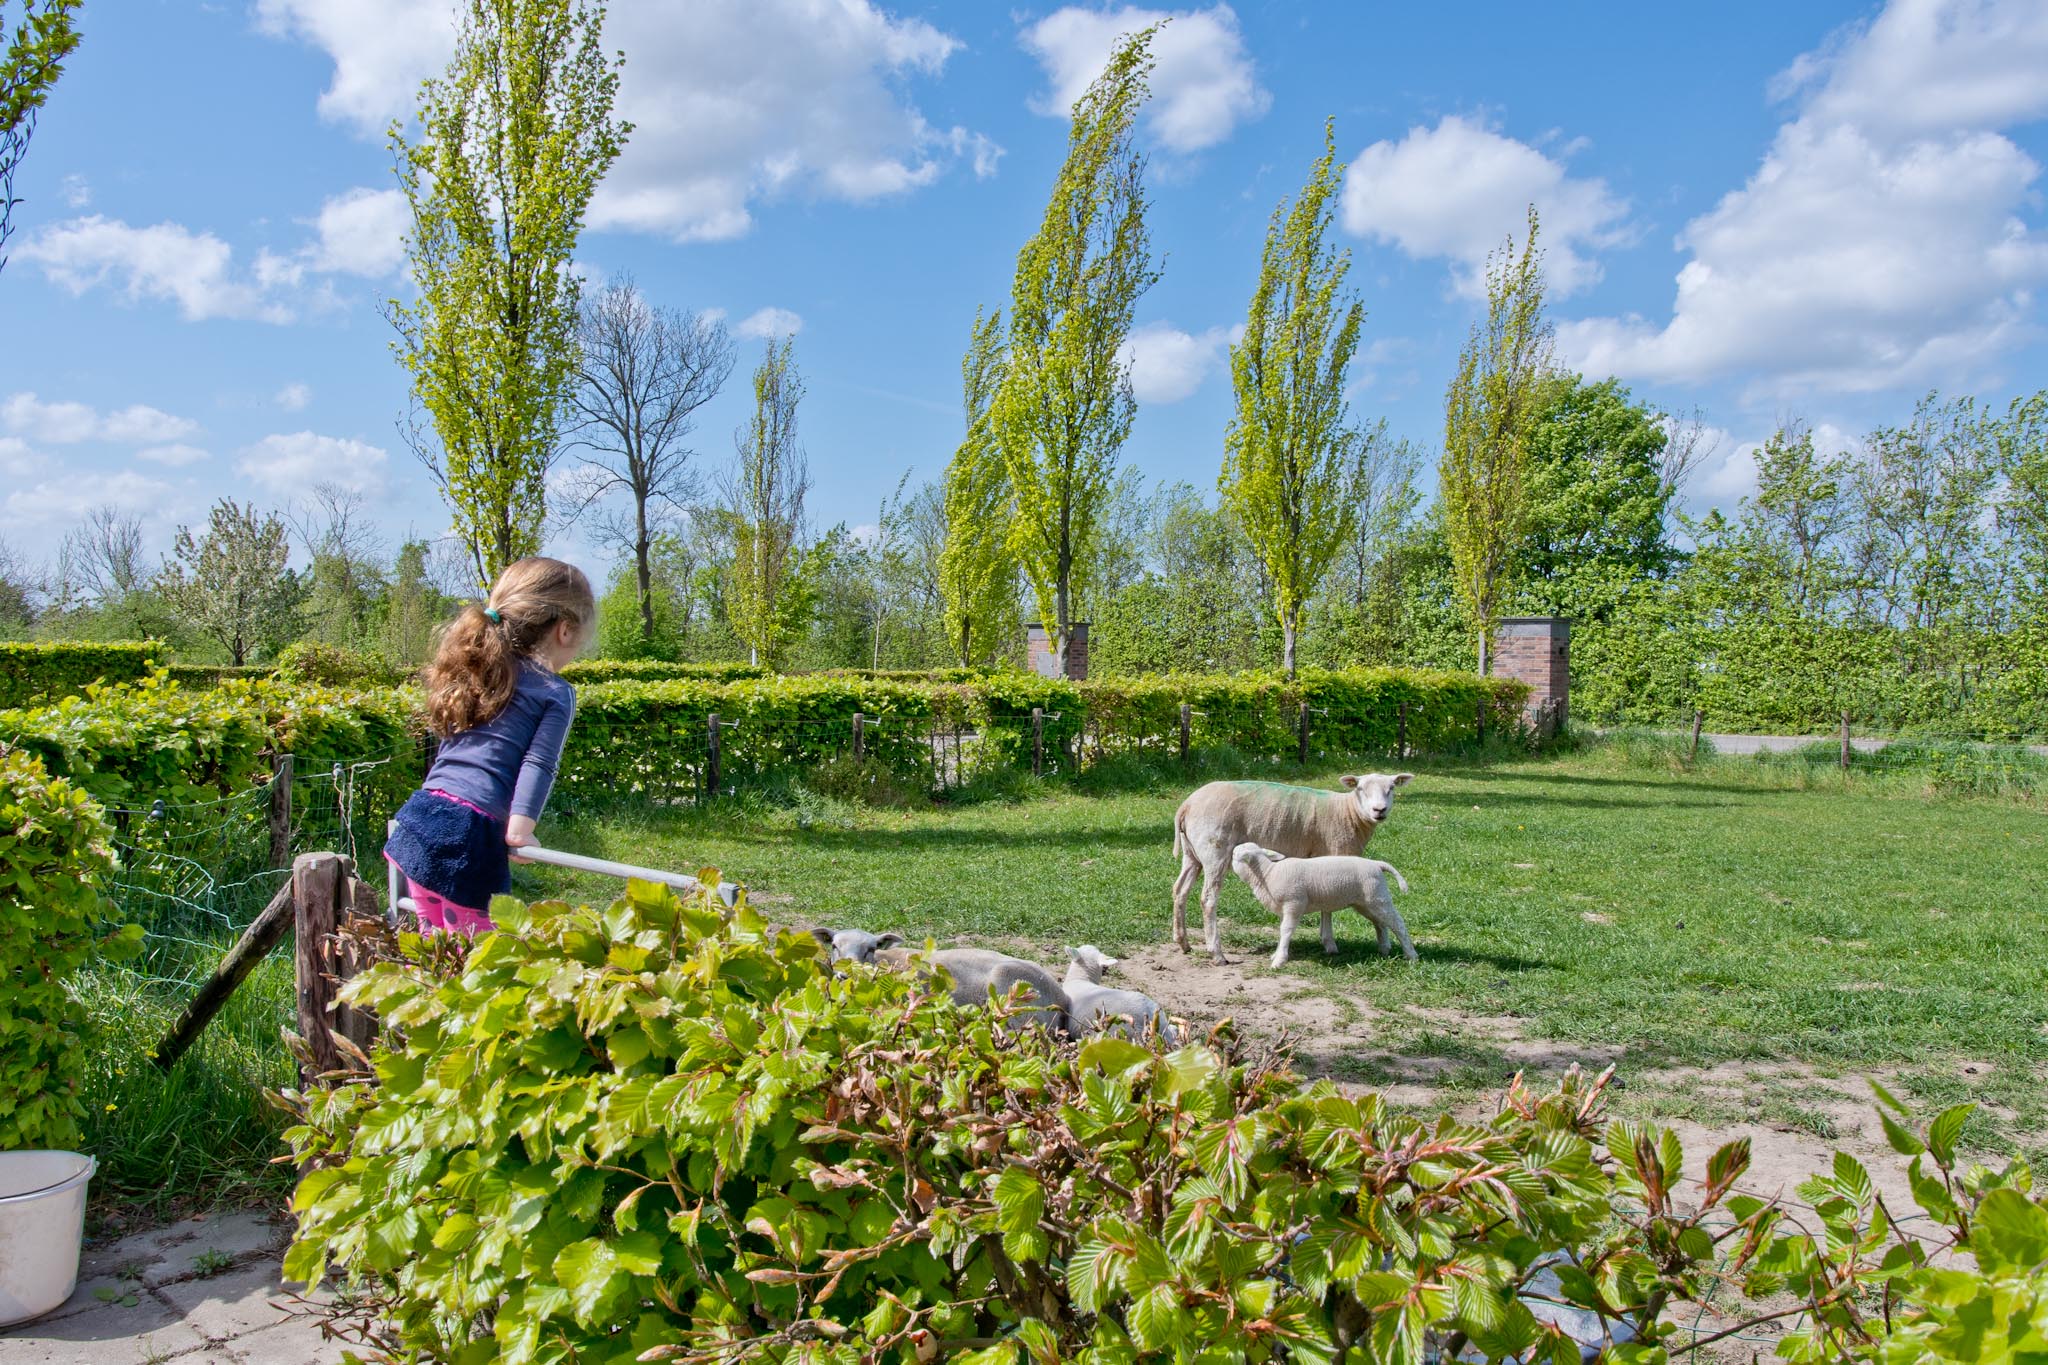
(57, 503)
(290, 465)
(76, 189)
(1727, 478)
(176, 456)
(1881, 240)
(769, 323)
(65, 423)
(165, 262)
(732, 101)
(294, 396)
(1461, 189)
(1168, 364)
(18, 460)
(1203, 82)
(361, 232)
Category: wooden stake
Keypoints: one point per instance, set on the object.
(860, 746)
(1038, 741)
(1301, 724)
(255, 944)
(1401, 731)
(1184, 714)
(1699, 718)
(711, 759)
(281, 812)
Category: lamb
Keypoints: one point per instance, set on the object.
(1290, 887)
(1300, 822)
(972, 974)
(1093, 1006)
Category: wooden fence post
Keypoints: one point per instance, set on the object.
(1184, 712)
(1301, 723)
(1845, 741)
(1038, 741)
(325, 893)
(711, 758)
(1401, 731)
(860, 743)
(1699, 719)
(255, 944)
(281, 812)
(1479, 722)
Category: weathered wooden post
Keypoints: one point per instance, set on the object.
(281, 812)
(255, 944)
(711, 757)
(1038, 741)
(1184, 714)
(1845, 741)
(1401, 731)
(1301, 724)
(325, 892)
(1699, 719)
(860, 745)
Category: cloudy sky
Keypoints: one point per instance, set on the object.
(1756, 209)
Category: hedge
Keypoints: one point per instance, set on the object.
(585, 671)
(665, 1131)
(54, 851)
(47, 672)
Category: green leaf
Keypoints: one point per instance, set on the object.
(2010, 1231)
(1946, 1128)
(590, 1272)
(1112, 1055)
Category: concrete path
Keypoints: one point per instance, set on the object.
(1741, 746)
(202, 1292)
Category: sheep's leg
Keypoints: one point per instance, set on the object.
(1329, 934)
(1290, 916)
(1190, 868)
(1400, 926)
(1212, 893)
(1379, 923)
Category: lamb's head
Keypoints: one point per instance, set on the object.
(1090, 961)
(853, 945)
(1374, 793)
(1251, 861)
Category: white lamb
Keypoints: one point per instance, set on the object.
(1092, 1006)
(1293, 887)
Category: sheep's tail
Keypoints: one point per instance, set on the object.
(1179, 837)
(1395, 873)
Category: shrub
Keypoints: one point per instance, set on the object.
(665, 1131)
(54, 849)
(585, 671)
(153, 741)
(47, 672)
(309, 661)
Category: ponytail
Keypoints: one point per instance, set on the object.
(476, 665)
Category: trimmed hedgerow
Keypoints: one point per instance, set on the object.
(586, 671)
(47, 672)
(54, 851)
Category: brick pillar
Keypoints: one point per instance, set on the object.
(1040, 644)
(1537, 650)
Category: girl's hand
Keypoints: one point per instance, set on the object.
(518, 834)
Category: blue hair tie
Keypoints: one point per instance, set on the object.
(492, 612)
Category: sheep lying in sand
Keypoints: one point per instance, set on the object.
(1293, 887)
(1092, 1006)
(972, 974)
(1300, 822)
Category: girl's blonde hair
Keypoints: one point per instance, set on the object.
(476, 665)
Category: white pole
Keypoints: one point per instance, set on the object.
(533, 853)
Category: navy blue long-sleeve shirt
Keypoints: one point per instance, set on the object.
(506, 766)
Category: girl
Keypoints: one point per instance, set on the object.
(496, 698)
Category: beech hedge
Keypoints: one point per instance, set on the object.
(666, 1131)
(47, 672)
(54, 850)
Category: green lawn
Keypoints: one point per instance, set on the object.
(1734, 912)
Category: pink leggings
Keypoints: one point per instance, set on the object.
(438, 914)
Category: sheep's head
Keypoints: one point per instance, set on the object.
(1092, 961)
(1374, 793)
(853, 945)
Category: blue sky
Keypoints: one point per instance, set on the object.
(1758, 210)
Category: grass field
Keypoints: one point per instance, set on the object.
(1760, 924)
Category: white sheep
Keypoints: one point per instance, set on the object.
(1092, 1006)
(972, 974)
(853, 945)
(1292, 887)
(1300, 822)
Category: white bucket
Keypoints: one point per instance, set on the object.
(42, 1223)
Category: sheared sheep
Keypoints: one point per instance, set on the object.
(1292, 887)
(1092, 1005)
(972, 974)
(1300, 822)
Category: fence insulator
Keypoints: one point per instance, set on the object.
(157, 811)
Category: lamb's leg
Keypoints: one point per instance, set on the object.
(1213, 874)
(1389, 913)
(1190, 868)
(1290, 916)
(1379, 923)
(1329, 934)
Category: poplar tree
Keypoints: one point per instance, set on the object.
(977, 570)
(1294, 466)
(513, 140)
(1065, 405)
(1489, 411)
(768, 583)
(30, 63)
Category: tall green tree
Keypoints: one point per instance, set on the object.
(230, 584)
(977, 568)
(1294, 464)
(1482, 482)
(1065, 405)
(512, 142)
(44, 35)
(770, 583)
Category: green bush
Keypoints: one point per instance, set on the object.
(54, 851)
(47, 672)
(665, 1131)
(213, 675)
(585, 671)
(309, 661)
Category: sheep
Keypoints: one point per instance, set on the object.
(972, 974)
(1301, 822)
(1289, 887)
(1093, 1006)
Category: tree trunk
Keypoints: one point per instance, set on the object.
(1484, 660)
(966, 659)
(644, 570)
(1290, 631)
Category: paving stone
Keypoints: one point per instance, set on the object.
(107, 1334)
(230, 1303)
(87, 1295)
(290, 1343)
(239, 1236)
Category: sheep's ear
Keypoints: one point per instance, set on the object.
(1073, 954)
(1403, 779)
(824, 937)
(1107, 961)
(1347, 782)
(889, 941)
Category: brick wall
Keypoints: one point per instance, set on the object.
(1537, 650)
(1041, 651)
